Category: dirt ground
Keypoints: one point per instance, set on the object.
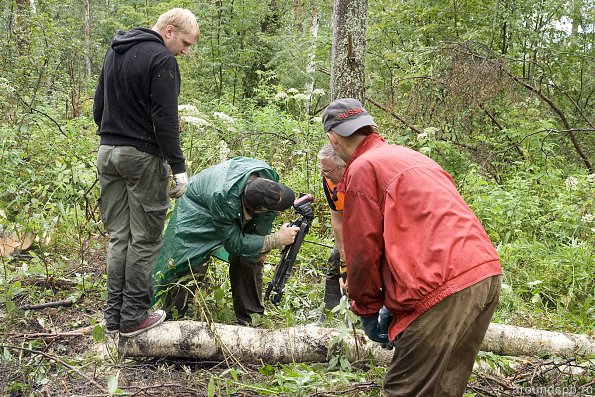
(52, 351)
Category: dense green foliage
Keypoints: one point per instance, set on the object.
(500, 93)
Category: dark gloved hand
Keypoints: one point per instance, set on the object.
(181, 181)
(385, 317)
(370, 325)
(305, 209)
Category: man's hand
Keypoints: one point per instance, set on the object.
(181, 181)
(305, 209)
(376, 326)
(385, 317)
(287, 234)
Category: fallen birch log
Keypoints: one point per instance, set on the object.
(509, 340)
(246, 344)
(311, 344)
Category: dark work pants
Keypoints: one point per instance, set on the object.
(133, 203)
(246, 289)
(332, 289)
(434, 356)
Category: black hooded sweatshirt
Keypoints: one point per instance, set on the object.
(136, 101)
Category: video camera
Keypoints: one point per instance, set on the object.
(303, 206)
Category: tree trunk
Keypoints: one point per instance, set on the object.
(311, 67)
(250, 345)
(348, 58)
(508, 340)
(298, 11)
(313, 344)
(87, 48)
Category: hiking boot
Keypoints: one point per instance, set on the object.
(112, 329)
(151, 321)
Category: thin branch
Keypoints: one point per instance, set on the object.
(273, 134)
(162, 386)
(576, 105)
(493, 118)
(56, 335)
(401, 119)
(40, 306)
(544, 98)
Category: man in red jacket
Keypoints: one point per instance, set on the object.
(413, 246)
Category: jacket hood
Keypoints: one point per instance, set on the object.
(125, 40)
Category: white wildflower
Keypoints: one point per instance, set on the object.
(292, 91)
(191, 109)
(588, 218)
(5, 86)
(571, 183)
(425, 150)
(195, 121)
(431, 131)
(223, 150)
(280, 96)
(422, 137)
(318, 91)
(224, 117)
(300, 97)
(591, 178)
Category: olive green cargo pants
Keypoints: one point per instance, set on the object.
(133, 204)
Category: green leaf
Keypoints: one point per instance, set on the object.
(211, 387)
(98, 333)
(267, 370)
(10, 306)
(218, 294)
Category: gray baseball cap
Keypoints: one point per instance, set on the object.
(345, 116)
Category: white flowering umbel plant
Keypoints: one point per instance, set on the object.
(190, 115)
(200, 130)
(582, 189)
(298, 103)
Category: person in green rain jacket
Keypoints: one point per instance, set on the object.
(227, 212)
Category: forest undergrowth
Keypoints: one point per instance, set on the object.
(541, 222)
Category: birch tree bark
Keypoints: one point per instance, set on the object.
(311, 66)
(315, 344)
(87, 38)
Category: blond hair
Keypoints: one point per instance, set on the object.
(181, 19)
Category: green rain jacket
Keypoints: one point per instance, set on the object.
(207, 221)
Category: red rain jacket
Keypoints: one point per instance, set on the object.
(410, 239)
